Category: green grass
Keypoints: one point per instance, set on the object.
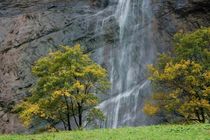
(160, 132)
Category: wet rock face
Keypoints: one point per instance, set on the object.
(186, 6)
(29, 30)
(180, 15)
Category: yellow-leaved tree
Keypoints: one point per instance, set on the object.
(181, 81)
(65, 90)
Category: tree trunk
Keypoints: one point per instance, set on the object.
(202, 115)
(68, 113)
(69, 123)
(198, 115)
(80, 115)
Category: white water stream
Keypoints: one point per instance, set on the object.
(135, 50)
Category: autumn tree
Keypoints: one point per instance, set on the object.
(65, 91)
(181, 80)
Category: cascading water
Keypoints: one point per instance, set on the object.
(128, 60)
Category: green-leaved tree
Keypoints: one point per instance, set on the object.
(65, 91)
(181, 80)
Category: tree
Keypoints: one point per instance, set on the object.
(65, 91)
(181, 80)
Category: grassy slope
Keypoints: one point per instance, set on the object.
(168, 132)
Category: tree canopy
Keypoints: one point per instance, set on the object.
(66, 87)
(181, 80)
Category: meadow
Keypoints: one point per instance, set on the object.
(157, 132)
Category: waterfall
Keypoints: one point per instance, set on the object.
(129, 60)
